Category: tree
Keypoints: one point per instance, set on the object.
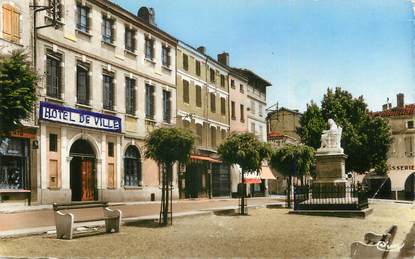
(365, 139)
(17, 90)
(248, 152)
(292, 160)
(167, 146)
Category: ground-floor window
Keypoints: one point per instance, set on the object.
(13, 163)
(132, 167)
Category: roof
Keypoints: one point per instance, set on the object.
(278, 135)
(283, 109)
(250, 74)
(408, 109)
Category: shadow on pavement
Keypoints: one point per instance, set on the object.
(144, 224)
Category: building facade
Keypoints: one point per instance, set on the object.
(400, 180)
(109, 79)
(203, 108)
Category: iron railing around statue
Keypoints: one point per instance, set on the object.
(329, 198)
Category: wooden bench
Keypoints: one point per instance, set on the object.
(65, 220)
(28, 194)
(375, 245)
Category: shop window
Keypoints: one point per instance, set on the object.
(149, 101)
(198, 96)
(53, 75)
(129, 39)
(13, 163)
(82, 19)
(110, 149)
(185, 91)
(53, 142)
(130, 99)
(82, 83)
(11, 23)
(132, 167)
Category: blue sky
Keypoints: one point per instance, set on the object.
(303, 47)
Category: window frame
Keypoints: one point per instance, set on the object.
(130, 96)
(106, 21)
(167, 106)
(149, 48)
(132, 157)
(198, 67)
(79, 26)
(54, 91)
(149, 101)
(110, 103)
(165, 56)
(86, 68)
(130, 44)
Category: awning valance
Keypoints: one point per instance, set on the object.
(205, 158)
(266, 173)
(252, 180)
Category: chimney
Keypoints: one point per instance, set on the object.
(202, 49)
(400, 100)
(148, 15)
(223, 58)
(385, 107)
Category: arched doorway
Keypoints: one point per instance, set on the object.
(82, 171)
(410, 187)
(132, 167)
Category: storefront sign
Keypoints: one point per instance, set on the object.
(402, 167)
(58, 113)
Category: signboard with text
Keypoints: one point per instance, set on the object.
(87, 119)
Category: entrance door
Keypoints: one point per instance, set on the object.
(82, 171)
(88, 180)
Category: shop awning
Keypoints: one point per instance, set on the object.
(205, 158)
(252, 180)
(266, 173)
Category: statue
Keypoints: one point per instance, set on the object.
(330, 139)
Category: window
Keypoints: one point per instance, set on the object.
(260, 109)
(185, 62)
(213, 136)
(242, 113)
(222, 106)
(132, 167)
(53, 75)
(11, 23)
(149, 48)
(166, 106)
(212, 75)
(14, 159)
(199, 132)
(185, 91)
(233, 110)
(410, 124)
(165, 56)
(108, 91)
(149, 101)
(198, 67)
(241, 88)
(409, 146)
(130, 99)
(212, 102)
(223, 134)
(252, 106)
(253, 127)
(129, 39)
(222, 80)
(107, 30)
(110, 149)
(233, 84)
(82, 83)
(53, 143)
(198, 96)
(82, 20)
(56, 11)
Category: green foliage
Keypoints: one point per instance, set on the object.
(292, 158)
(244, 149)
(169, 145)
(365, 140)
(17, 90)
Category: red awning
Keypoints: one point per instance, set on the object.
(205, 158)
(252, 180)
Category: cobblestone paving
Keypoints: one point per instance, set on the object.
(264, 233)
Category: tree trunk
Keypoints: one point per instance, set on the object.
(289, 192)
(243, 194)
(165, 194)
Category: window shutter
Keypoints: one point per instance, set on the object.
(15, 25)
(7, 22)
(152, 101)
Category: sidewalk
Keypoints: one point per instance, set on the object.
(40, 219)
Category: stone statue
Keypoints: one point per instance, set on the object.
(330, 139)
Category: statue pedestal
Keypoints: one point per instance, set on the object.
(331, 175)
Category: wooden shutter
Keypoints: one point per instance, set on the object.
(212, 102)
(7, 21)
(15, 25)
(198, 96)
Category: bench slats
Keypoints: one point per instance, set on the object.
(79, 205)
(94, 219)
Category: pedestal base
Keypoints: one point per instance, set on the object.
(329, 189)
